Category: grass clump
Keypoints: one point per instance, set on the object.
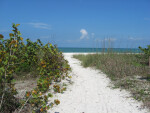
(128, 71)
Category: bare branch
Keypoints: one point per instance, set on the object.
(25, 103)
(2, 101)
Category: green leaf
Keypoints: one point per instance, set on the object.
(18, 32)
(1, 36)
(14, 50)
(13, 25)
(2, 69)
(11, 34)
(50, 95)
(6, 62)
(17, 25)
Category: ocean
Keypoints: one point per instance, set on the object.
(94, 50)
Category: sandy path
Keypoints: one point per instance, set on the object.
(90, 94)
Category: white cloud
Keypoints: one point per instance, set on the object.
(132, 38)
(40, 25)
(84, 34)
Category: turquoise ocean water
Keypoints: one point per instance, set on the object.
(89, 50)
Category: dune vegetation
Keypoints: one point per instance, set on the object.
(127, 71)
(42, 65)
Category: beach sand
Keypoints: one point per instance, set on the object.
(90, 93)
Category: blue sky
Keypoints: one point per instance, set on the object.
(79, 23)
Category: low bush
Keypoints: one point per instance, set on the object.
(41, 61)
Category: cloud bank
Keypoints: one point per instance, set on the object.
(135, 39)
(40, 25)
(84, 34)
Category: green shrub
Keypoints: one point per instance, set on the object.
(146, 56)
(45, 61)
(146, 50)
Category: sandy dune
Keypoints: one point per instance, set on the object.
(90, 94)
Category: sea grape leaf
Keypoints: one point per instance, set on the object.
(1, 36)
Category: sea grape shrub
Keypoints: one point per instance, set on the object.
(46, 60)
(56, 101)
(52, 68)
(30, 58)
(10, 51)
(57, 88)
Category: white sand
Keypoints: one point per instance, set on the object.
(90, 93)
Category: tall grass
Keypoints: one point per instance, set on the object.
(129, 71)
(116, 65)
